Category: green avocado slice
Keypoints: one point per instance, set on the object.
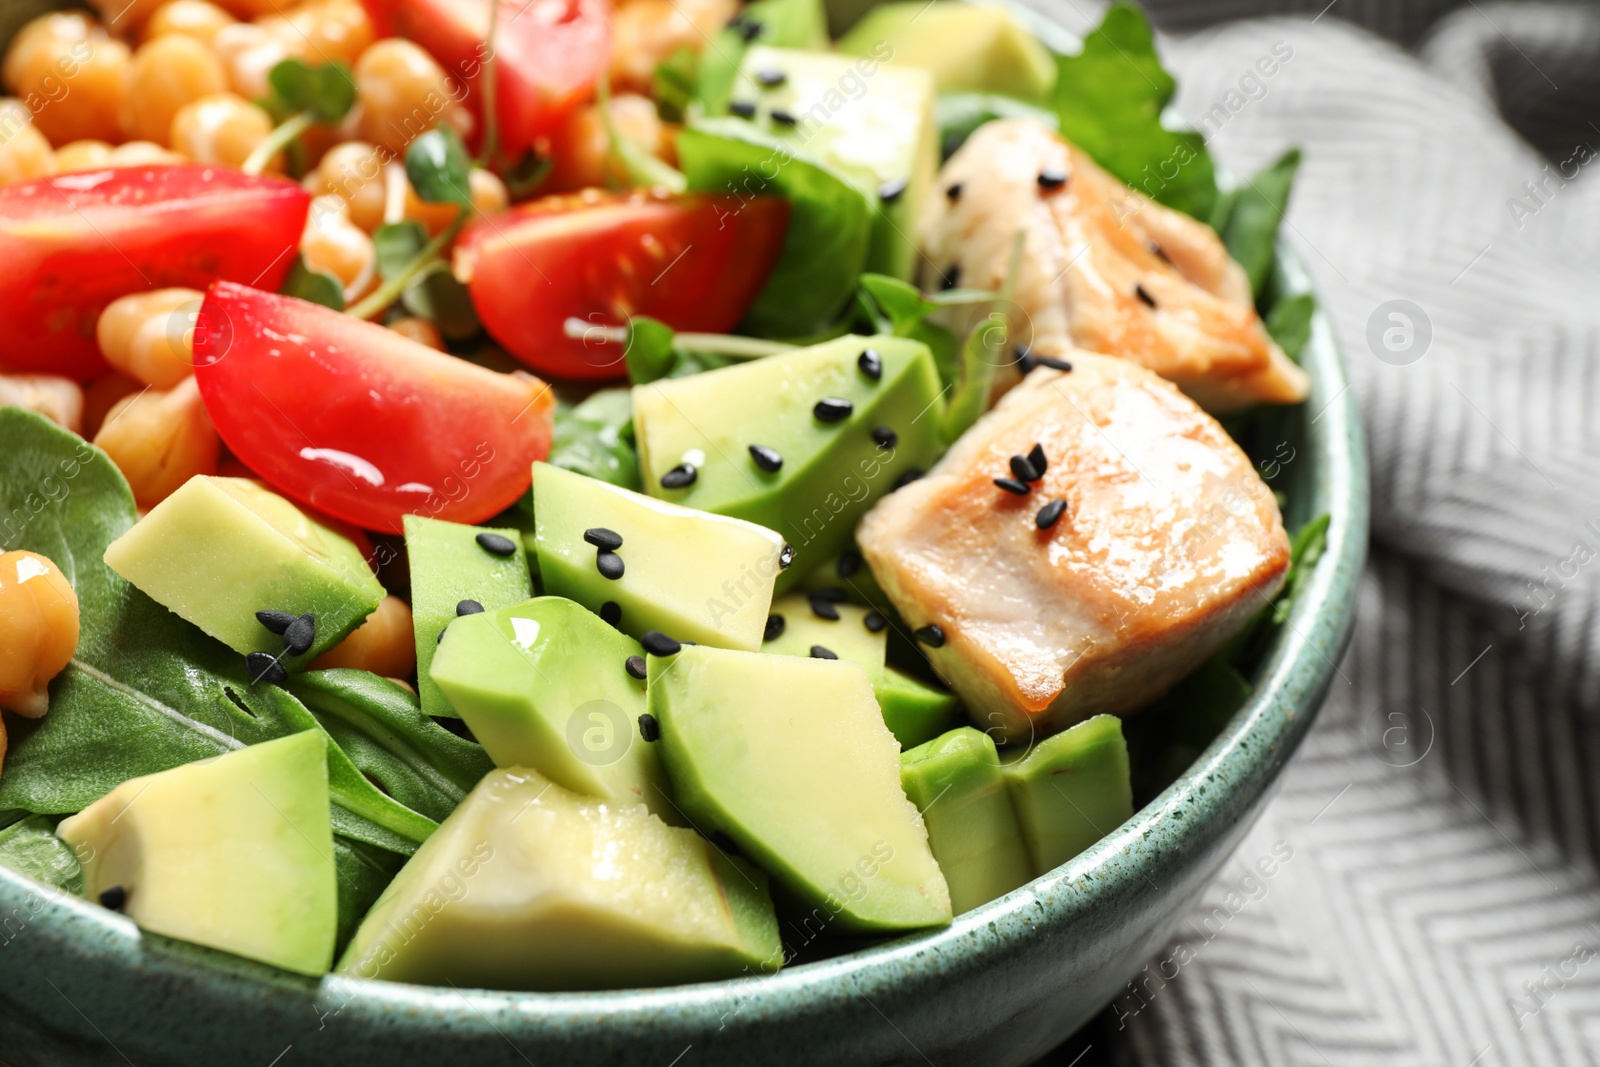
(1070, 790)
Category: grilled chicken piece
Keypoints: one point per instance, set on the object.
(1169, 543)
(1103, 268)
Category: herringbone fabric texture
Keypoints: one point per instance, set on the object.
(1440, 903)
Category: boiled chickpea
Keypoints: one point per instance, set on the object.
(645, 32)
(38, 630)
(384, 644)
(69, 73)
(251, 9)
(82, 155)
(405, 93)
(141, 154)
(58, 399)
(199, 19)
(419, 330)
(341, 31)
(101, 395)
(162, 77)
(150, 336)
(221, 129)
(24, 152)
(353, 172)
(582, 148)
(489, 193)
(248, 53)
(159, 440)
(332, 243)
(126, 17)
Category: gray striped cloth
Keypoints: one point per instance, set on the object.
(1440, 901)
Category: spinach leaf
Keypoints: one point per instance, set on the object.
(1109, 99)
(317, 286)
(829, 224)
(899, 308)
(781, 23)
(362, 872)
(31, 847)
(596, 438)
(1289, 322)
(675, 82)
(958, 114)
(1250, 215)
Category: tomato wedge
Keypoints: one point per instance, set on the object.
(71, 244)
(695, 262)
(548, 54)
(357, 421)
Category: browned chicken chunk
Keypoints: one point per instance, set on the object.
(1103, 267)
(1167, 543)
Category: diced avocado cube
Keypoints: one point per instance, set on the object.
(221, 549)
(913, 710)
(789, 758)
(452, 572)
(233, 852)
(1070, 790)
(868, 122)
(976, 48)
(693, 576)
(846, 418)
(845, 570)
(956, 782)
(545, 685)
(529, 885)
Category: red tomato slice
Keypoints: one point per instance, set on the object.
(548, 54)
(695, 262)
(357, 421)
(71, 244)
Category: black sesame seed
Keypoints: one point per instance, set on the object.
(849, 563)
(1037, 459)
(951, 277)
(1159, 252)
(768, 459)
(751, 28)
(907, 478)
(891, 191)
(649, 728)
(115, 898)
(276, 621)
(1026, 360)
(1144, 294)
(831, 593)
(1052, 363)
(659, 644)
(782, 117)
(680, 477)
(786, 557)
(635, 667)
(823, 609)
(1050, 514)
(440, 639)
(611, 612)
(496, 544)
(775, 627)
(468, 607)
(874, 621)
(609, 564)
(299, 635)
(1052, 178)
(885, 437)
(742, 108)
(832, 409)
(1023, 469)
(820, 652)
(952, 192)
(1012, 485)
(603, 539)
(264, 667)
(931, 635)
(771, 79)
(871, 364)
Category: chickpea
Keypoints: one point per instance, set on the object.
(332, 243)
(24, 152)
(199, 19)
(645, 32)
(69, 73)
(82, 155)
(38, 630)
(342, 31)
(159, 440)
(384, 644)
(248, 53)
(126, 16)
(404, 93)
(582, 148)
(489, 194)
(221, 129)
(101, 395)
(58, 399)
(141, 154)
(150, 336)
(164, 75)
(419, 330)
(353, 171)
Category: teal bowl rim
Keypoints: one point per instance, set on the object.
(1201, 812)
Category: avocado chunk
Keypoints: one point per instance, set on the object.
(843, 433)
(846, 570)
(914, 711)
(967, 47)
(452, 574)
(529, 885)
(233, 852)
(545, 685)
(789, 758)
(691, 575)
(221, 549)
(870, 123)
(1071, 790)
(956, 782)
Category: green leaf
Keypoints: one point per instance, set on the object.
(526, 175)
(829, 222)
(31, 847)
(958, 114)
(327, 91)
(363, 873)
(1289, 323)
(1254, 211)
(649, 349)
(1109, 99)
(438, 166)
(443, 301)
(801, 24)
(899, 308)
(675, 82)
(981, 356)
(317, 286)
(595, 438)
(396, 245)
